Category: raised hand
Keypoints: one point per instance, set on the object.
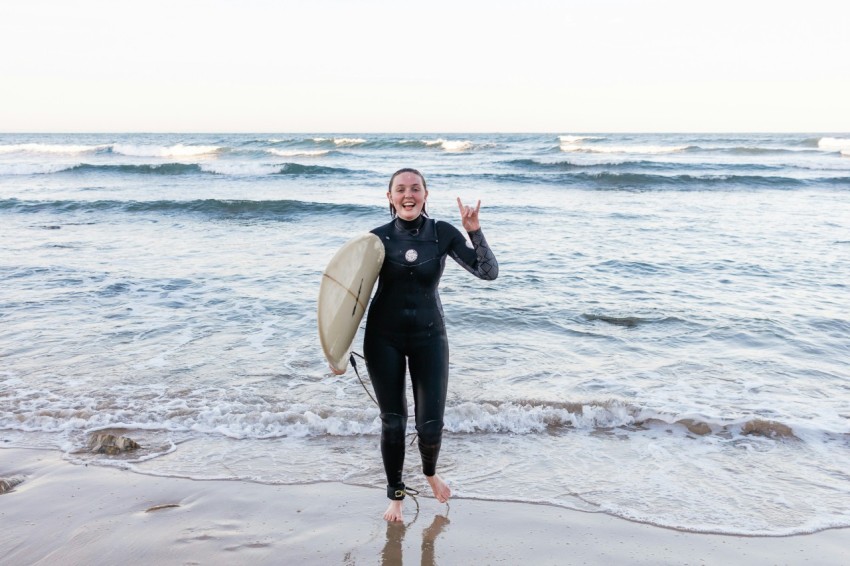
(469, 216)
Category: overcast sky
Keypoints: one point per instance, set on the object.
(428, 66)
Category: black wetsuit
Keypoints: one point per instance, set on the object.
(405, 324)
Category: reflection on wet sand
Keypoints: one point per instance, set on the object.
(392, 552)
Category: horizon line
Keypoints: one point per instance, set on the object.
(429, 132)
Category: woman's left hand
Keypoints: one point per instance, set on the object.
(469, 216)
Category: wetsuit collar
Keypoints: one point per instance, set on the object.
(412, 226)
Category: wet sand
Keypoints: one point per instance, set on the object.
(70, 514)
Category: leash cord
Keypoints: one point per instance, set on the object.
(354, 365)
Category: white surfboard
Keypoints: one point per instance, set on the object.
(344, 293)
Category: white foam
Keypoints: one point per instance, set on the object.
(449, 145)
(456, 145)
(631, 149)
(341, 141)
(526, 419)
(845, 152)
(298, 152)
(834, 144)
(297, 422)
(576, 139)
(178, 150)
(238, 168)
(51, 148)
(238, 420)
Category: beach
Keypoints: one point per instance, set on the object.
(666, 343)
(75, 514)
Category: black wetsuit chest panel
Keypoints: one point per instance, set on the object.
(407, 299)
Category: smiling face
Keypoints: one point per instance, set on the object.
(407, 195)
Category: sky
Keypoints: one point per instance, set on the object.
(438, 66)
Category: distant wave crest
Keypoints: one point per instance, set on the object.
(69, 149)
(212, 167)
(340, 142)
(177, 150)
(627, 149)
(834, 144)
(298, 152)
(145, 169)
(299, 169)
(440, 143)
(272, 209)
(641, 181)
(576, 139)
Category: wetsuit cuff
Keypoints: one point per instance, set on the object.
(396, 492)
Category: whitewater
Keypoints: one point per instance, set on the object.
(666, 342)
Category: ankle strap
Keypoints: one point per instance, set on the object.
(397, 492)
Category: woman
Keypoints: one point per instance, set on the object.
(405, 325)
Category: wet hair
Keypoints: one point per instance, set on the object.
(407, 170)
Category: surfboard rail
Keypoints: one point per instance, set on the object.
(344, 293)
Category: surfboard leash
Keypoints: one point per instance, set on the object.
(413, 493)
(354, 365)
(403, 491)
(407, 490)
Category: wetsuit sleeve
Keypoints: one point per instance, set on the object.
(478, 260)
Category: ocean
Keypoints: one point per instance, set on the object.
(667, 341)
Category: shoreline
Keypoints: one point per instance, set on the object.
(100, 515)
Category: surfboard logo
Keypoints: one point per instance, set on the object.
(411, 255)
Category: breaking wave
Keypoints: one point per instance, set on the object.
(272, 209)
(235, 419)
(834, 144)
(177, 150)
(213, 167)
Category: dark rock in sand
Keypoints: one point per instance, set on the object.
(770, 429)
(163, 506)
(695, 427)
(103, 443)
(8, 484)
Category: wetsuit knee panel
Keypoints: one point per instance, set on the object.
(430, 432)
(393, 427)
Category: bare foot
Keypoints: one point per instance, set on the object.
(440, 488)
(393, 512)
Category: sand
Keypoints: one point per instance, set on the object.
(71, 514)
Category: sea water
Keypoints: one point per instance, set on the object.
(667, 340)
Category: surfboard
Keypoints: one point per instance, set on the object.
(346, 286)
